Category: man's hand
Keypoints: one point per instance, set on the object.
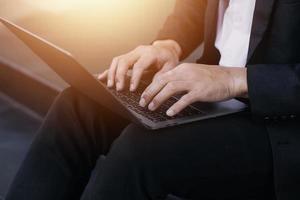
(199, 83)
(161, 56)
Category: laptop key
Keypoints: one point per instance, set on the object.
(131, 100)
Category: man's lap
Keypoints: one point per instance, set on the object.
(219, 153)
(221, 156)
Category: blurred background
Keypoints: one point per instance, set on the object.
(93, 30)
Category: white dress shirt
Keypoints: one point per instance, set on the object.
(234, 30)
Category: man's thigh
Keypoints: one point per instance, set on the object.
(225, 157)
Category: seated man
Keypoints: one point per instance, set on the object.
(252, 50)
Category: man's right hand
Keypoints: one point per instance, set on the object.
(161, 56)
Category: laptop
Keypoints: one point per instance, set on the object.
(125, 103)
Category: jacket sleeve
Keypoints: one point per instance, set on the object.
(274, 90)
(185, 25)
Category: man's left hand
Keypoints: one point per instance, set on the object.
(204, 83)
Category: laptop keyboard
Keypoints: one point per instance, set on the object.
(131, 100)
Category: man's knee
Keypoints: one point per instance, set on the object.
(64, 100)
(70, 121)
(67, 115)
(71, 102)
(67, 97)
(133, 146)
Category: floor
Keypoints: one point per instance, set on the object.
(17, 128)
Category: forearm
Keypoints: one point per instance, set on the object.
(185, 25)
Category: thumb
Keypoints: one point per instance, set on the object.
(103, 75)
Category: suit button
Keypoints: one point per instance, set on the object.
(283, 117)
(267, 118)
(292, 116)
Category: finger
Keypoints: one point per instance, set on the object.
(103, 75)
(182, 103)
(167, 92)
(152, 90)
(137, 71)
(112, 72)
(165, 68)
(122, 69)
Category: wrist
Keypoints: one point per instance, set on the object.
(171, 45)
(239, 82)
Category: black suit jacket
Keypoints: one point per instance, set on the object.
(273, 72)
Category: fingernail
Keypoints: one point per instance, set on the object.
(109, 83)
(142, 102)
(118, 86)
(170, 113)
(151, 106)
(132, 87)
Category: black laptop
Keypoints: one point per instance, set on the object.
(124, 103)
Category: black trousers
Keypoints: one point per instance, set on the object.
(224, 158)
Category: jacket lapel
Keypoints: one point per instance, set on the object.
(262, 14)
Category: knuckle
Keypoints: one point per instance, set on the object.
(170, 73)
(172, 86)
(181, 66)
(120, 72)
(161, 81)
(150, 51)
(141, 48)
(155, 101)
(158, 78)
(134, 81)
(146, 95)
(137, 67)
(120, 76)
(122, 62)
(118, 79)
(150, 57)
(115, 59)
